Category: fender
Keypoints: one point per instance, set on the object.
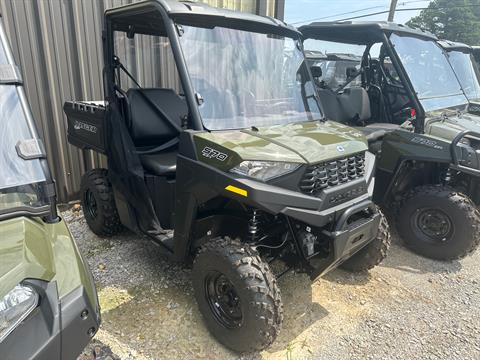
(400, 147)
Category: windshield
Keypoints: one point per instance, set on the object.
(429, 71)
(246, 79)
(464, 66)
(334, 72)
(20, 180)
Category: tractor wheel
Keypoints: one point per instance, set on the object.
(439, 223)
(237, 295)
(98, 203)
(372, 254)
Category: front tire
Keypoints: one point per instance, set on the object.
(373, 253)
(439, 223)
(237, 295)
(98, 203)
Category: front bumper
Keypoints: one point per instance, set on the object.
(56, 329)
(348, 238)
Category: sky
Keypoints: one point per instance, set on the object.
(300, 12)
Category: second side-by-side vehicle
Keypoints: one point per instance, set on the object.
(409, 103)
(230, 166)
(466, 68)
(48, 303)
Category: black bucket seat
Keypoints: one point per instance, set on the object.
(155, 120)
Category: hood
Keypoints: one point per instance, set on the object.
(450, 127)
(306, 143)
(32, 249)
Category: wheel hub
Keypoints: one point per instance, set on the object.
(434, 223)
(223, 300)
(90, 204)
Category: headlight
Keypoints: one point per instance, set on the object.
(15, 307)
(264, 170)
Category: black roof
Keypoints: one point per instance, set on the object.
(145, 17)
(358, 32)
(455, 46)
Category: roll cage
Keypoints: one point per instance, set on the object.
(369, 34)
(164, 18)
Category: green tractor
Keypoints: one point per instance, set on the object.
(48, 302)
(466, 68)
(414, 113)
(232, 169)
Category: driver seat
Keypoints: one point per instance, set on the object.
(149, 130)
(351, 106)
(162, 164)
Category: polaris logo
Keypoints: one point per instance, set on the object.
(77, 125)
(210, 153)
(347, 195)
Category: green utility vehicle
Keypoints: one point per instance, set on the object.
(414, 113)
(48, 302)
(466, 68)
(230, 169)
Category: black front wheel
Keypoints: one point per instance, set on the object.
(237, 295)
(373, 253)
(438, 222)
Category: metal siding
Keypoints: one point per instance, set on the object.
(58, 46)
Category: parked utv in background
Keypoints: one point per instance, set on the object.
(48, 302)
(467, 71)
(414, 113)
(232, 172)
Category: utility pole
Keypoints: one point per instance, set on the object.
(393, 7)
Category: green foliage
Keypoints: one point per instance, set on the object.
(449, 20)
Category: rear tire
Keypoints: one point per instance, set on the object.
(439, 223)
(98, 203)
(237, 295)
(372, 254)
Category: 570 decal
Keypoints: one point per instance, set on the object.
(210, 153)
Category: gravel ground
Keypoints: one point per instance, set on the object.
(406, 308)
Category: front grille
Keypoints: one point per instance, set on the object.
(321, 176)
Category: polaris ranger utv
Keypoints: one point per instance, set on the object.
(232, 169)
(48, 302)
(414, 113)
(466, 68)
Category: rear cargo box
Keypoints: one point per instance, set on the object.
(86, 124)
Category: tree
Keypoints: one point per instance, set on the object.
(456, 20)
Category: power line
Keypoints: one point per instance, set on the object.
(340, 14)
(412, 9)
(403, 3)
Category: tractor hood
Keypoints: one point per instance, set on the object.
(451, 126)
(32, 249)
(306, 143)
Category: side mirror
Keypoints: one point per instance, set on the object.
(316, 71)
(351, 72)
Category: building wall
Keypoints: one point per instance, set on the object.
(57, 44)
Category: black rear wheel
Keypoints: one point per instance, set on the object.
(438, 222)
(237, 295)
(98, 203)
